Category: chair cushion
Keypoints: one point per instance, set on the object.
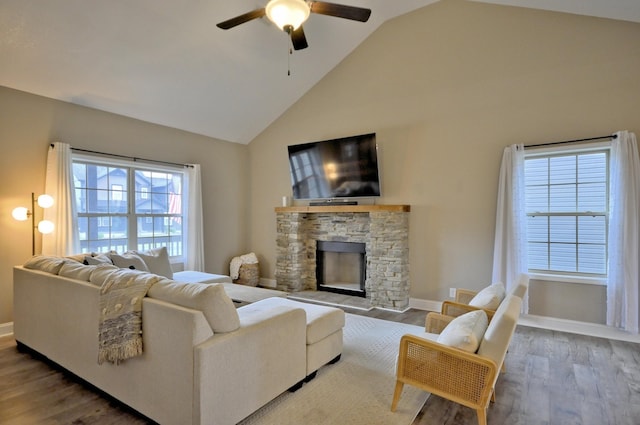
(465, 332)
(499, 332)
(490, 297)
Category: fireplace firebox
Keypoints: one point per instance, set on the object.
(341, 267)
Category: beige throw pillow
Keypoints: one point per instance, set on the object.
(157, 260)
(129, 260)
(44, 263)
(490, 297)
(75, 270)
(465, 332)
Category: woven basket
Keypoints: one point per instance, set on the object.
(249, 275)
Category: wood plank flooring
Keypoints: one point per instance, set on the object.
(551, 378)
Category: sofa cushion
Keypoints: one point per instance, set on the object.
(466, 331)
(75, 270)
(157, 261)
(490, 297)
(45, 263)
(101, 273)
(129, 260)
(211, 299)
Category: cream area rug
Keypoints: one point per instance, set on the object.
(355, 391)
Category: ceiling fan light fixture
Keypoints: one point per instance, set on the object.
(285, 13)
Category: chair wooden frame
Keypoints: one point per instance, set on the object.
(457, 375)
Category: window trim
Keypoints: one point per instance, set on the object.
(574, 149)
(131, 215)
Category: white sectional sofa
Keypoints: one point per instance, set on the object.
(188, 372)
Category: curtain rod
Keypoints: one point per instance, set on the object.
(130, 157)
(611, 136)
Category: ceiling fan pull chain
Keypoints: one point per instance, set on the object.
(290, 52)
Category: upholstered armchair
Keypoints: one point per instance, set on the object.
(464, 377)
(463, 297)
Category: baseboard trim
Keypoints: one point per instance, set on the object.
(428, 305)
(268, 283)
(580, 328)
(6, 329)
(549, 323)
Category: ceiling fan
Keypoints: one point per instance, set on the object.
(289, 15)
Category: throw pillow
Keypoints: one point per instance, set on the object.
(129, 260)
(465, 332)
(101, 273)
(210, 299)
(94, 260)
(490, 297)
(75, 270)
(157, 260)
(44, 263)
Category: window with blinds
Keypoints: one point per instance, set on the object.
(567, 210)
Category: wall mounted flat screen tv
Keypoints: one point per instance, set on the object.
(338, 168)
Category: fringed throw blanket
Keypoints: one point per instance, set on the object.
(120, 329)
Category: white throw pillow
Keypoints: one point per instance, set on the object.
(490, 297)
(129, 260)
(465, 332)
(75, 270)
(210, 299)
(157, 260)
(94, 260)
(44, 263)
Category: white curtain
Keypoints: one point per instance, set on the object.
(194, 244)
(510, 246)
(624, 237)
(59, 184)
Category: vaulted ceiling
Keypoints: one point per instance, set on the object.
(165, 61)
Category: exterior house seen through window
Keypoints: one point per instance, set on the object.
(124, 208)
(567, 205)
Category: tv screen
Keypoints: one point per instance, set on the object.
(338, 168)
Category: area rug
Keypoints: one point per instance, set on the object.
(355, 391)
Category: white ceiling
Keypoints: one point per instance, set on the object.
(165, 61)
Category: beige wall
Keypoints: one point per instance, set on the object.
(29, 123)
(446, 88)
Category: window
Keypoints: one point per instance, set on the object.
(567, 212)
(128, 207)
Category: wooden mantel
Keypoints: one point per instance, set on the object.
(344, 209)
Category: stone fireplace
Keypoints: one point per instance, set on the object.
(382, 229)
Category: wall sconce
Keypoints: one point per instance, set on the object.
(44, 226)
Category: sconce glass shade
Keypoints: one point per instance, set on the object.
(45, 227)
(287, 12)
(20, 213)
(45, 201)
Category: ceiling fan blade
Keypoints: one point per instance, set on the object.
(230, 23)
(340, 11)
(298, 39)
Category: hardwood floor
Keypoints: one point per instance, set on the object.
(551, 378)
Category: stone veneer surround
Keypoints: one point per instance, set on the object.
(384, 229)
